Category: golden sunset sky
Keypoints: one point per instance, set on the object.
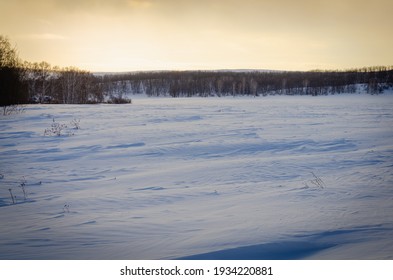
(128, 35)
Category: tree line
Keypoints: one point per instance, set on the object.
(24, 82)
(69, 85)
(252, 83)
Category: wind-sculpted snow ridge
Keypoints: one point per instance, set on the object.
(220, 178)
(336, 244)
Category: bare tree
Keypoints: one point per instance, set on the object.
(12, 87)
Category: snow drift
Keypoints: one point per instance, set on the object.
(214, 178)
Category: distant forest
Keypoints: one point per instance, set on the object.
(24, 82)
(251, 83)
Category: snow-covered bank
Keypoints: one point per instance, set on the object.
(172, 178)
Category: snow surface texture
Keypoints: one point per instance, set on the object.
(215, 178)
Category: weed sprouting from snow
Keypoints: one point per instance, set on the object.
(61, 129)
(23, 187)
(56, 129)
(317, 181)
(12, 196)
(22, 196)
(66, 208)
(75, 123)
(13, 109)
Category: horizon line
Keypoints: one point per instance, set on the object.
(243, 70)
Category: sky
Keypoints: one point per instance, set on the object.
(132, 35)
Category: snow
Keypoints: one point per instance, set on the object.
(200, 178)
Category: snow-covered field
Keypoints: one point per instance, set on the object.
(225, 178)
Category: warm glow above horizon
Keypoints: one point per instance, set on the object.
(129, 35)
